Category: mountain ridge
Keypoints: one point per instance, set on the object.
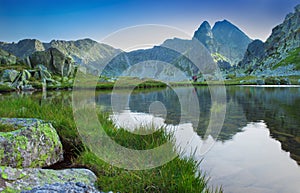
(268, 59)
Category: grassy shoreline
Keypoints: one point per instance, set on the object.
(140, 84)
(179, 175)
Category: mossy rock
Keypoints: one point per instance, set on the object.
(35, 144)
(17, 180)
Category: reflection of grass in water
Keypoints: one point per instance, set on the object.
(179, 175)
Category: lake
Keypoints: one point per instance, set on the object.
(257, 150)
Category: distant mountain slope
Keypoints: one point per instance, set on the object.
(171, 61)
(86, 52)
(224, 42)
(279, 55)
(23, 48)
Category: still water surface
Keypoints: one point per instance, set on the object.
(258, 148)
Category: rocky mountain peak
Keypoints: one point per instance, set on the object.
(203, 32)
(225, 32)
(224, 39)
(204, 29)
(205, 35)
(297, 8)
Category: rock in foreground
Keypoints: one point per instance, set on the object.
(17, 180)
(34, 144)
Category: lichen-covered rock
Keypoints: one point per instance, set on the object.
(55, 61)
(35, 144)
(73, 187)
(6, 58)
(9, 75)
(17, 180)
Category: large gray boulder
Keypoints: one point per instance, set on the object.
(17, 180)
(7, 58)
(34, 144)
(55, 61)
(8, 75)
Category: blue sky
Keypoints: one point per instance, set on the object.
(75, 19)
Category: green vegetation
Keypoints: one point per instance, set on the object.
(18, 67)
(179, 175)
(129, 82)
(219, 57)
(292, 58)
(7, 128)
(6, 88)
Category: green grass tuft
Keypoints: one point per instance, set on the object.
(292, 58)
(179, 175)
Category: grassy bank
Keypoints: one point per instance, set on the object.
(179, 175)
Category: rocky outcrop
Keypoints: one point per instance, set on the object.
(254, 52)
(55, 61)
(73, 187)
(17, 180)
(224, 39)
(6, 58)
(86, 52)
(34, 144)
(205, 35)
(267, 59)
(8, 75)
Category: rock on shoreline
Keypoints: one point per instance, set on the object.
(35, 144)
(17, 180)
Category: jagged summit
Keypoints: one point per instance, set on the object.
(224, 40)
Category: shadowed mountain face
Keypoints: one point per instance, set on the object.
(225, 41)
(279, 55)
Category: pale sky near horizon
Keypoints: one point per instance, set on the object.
(76, 19)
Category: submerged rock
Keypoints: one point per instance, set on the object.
(34, 144)
(45, 180)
